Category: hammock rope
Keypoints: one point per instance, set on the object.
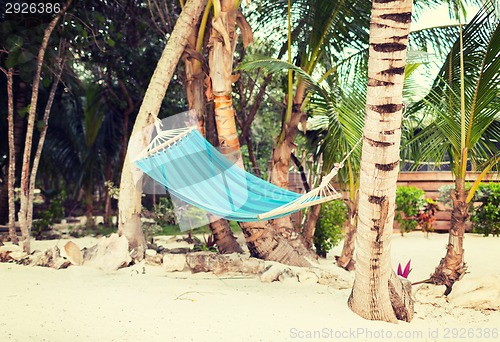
(186, 164)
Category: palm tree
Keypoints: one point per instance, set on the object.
(321, 31)
(377, 293)
(220, 56)
(463, 104)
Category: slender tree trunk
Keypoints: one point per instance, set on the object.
(43, 129)
(452, 267)
(18, 143)
(24, 220)
(129, 205)
(108, 174)
(11, 178)
(377, 293)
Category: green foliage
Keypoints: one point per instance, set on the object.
(486, 219)
(164, 212)
(162, 215)
(208, 244)
(409, 202)
(47, 218)
(329, 228)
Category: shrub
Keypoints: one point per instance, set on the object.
(330, 225)
(409, 202)
(486, 218)
(46, 218)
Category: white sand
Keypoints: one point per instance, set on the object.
(143, 303)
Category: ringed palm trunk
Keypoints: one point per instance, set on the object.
(223, 236)
(452, 266)
(129, 205)
(261, 239)
(377, 293)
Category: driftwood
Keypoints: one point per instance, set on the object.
(223, 263)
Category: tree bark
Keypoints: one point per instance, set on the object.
(220, 60)
(260, 237)
(265, 243)
(11, 178)
(281, 164)
(43, 129)
(129, 205)
(108, 175)
(452, 267)
(377, 293)
(346, 258)
(310, 225)
(24, 221)
(223, 236)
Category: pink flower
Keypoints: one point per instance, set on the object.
(406, 272)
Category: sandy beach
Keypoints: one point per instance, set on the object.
(146, 303)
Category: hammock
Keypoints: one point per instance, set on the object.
(190, 168)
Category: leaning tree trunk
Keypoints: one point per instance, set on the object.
(280, 162)
(281, 165)
(129, 204)
(11, 178)
(377, 293)
(452, 266)
(223, 236)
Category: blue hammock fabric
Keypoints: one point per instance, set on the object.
(197, 173)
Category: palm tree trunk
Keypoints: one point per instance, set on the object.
(223, 236)
(279, 171)
(220, 60)
(265, 243)
(261, 239)
(310, 225)
(281, 157)
(129, 205)
(377, 293)
(452, 266)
